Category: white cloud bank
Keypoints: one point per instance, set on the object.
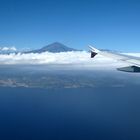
(8, 48)
(59, 58)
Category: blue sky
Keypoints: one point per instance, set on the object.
(109, 24)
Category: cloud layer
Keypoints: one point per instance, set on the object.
(58, 58)
(8, 48)
(46, 58)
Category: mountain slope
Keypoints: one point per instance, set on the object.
(54, 48)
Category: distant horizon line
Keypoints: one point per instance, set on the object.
(8, 47)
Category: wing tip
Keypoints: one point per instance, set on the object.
(93, 49)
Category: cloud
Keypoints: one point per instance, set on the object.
(45, 58)
(75, 58)
(8, 49)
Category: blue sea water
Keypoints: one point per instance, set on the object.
(63, 103)
(70, 114)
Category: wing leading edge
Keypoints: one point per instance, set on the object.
(134, 61)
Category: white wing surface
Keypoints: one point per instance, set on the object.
(133, 61)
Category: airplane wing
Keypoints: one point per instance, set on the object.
(133, 61)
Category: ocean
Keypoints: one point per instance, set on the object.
(66, 114)
(57, 103)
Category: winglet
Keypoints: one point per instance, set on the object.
(94, 51)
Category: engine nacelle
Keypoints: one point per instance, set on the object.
(130, 69)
